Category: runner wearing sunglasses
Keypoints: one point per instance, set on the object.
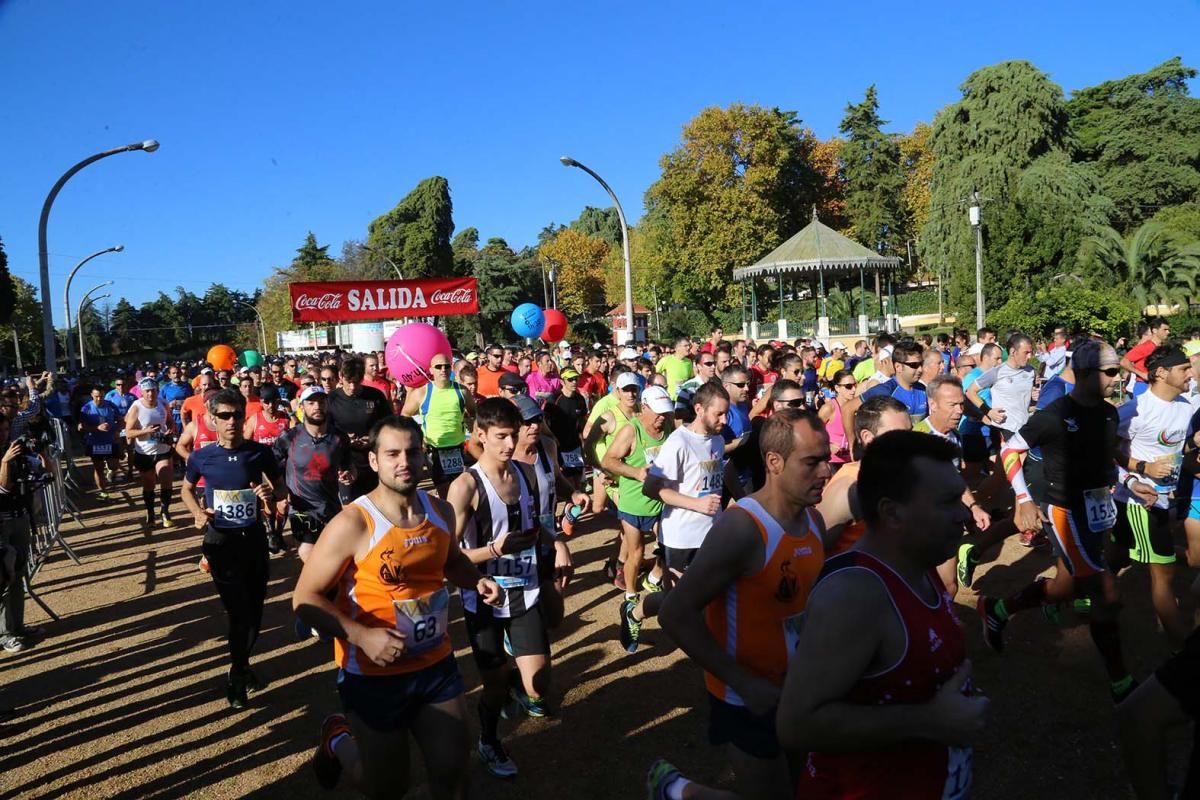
(442, 405)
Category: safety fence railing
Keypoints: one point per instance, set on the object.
(50, 503)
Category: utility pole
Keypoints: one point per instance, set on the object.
(976, 217)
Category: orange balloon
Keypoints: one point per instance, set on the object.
(221, 356)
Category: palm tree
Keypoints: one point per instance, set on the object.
(1156, 267)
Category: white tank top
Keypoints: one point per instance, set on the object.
(516, 573)
(152, 445)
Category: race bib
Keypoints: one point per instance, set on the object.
(791, 633)
(713, 481)
(1101, 510)
(1165, 484)
(102, 449)
(423, 620)
(153, 438)
(572, 459)
(235, 508)
(514, 571)
(958, 773)
(451, 461)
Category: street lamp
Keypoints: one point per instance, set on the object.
(150, 145)
(570, 162)
(975, 214)
(79, 318)
(262, 325)
(67, 301)
(370, 249)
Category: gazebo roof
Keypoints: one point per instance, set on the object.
(817, 248)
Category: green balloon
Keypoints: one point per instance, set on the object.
(251, 358)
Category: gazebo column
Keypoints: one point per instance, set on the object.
(783, 331)
(893, 320)
(822, 309)
(862, 303)
(745, 328)
(753, 311)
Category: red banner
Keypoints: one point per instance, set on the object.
(355, 301)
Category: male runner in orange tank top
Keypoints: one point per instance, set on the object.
(389, 554)
(736, 609)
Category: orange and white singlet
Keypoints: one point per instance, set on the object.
(757, 620)
(399, 583)
(205, 435)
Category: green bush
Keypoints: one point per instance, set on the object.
(918, 301)
(1110, 313)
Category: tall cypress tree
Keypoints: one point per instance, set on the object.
(416, 233)
(874, 176)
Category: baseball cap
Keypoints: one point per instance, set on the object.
(839, 346)
(820, 344)
(146, 384)
(511, 380)
(268, 394)
(886, 351)
(205, 371)
(626, 379)
(527, 407)
(657, 399)
(1094, 355)
(628, 354)
(311, 393)
(564, 345)
(568, 374)
(471, 356)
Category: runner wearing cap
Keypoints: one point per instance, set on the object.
(148, 424)
(630, 457)
(443, 407)
(512, 386)
(316, 463)
(566, 416)
(687, 477)
(1078, 437)
(677, 367)
(608, 416)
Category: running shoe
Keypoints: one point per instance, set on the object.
(661, 775)
(166, 520)
(325, 762)
(1082, 605)
(966, 565)
(496, 760)
(993, 626)
(204, 564)
(103, 495)
(235, 692)
(109, 475)
(532, 706)
(631, 628)
(275, 543)
(1119, 694)
(1052, 612)
(650, 586)
(12, 644)
(253, 684)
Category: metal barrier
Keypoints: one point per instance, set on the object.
(50, 503)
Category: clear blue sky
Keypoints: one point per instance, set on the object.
(280, 117)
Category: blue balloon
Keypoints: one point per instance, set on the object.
(528, 320)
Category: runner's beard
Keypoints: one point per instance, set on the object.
(405, 486)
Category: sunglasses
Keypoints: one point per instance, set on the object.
(512, 390)
(795, 402)
(439, 366)
(228, 415)
(1111, 372)
(739, 384)
(329, 379)
(847, 385)
(912, 364)
(494, 355)
(708, 363)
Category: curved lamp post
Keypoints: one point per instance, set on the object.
(262, 325)
(570, 162)
(87, 297)
(67, 302)
(148, 146)
(391, 263)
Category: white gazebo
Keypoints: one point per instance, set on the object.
(821, 250)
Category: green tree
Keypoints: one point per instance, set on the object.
(874, 176)
(917, 160)
(1009, 136)
(603, 223)
(26, 320)
(416, 233)
(274, 302)
(740, 182)
(8, 292)
(578, 260)
(1142, 133)
(122, 322)
(1182, 221)
(1154, 268)
(1107, 312)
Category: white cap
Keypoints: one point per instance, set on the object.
(975, 349)
(629, 354)
(657, 399)
(838, 346)
(627, 379)
(596, 345)
(885, 352)
(310, 392)
(564, 345)
(820, 344)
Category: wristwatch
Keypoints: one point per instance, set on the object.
(1140, 468)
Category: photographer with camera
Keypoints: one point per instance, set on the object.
(21, 468)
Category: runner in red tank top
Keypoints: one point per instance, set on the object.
(264, 427)
(878, 693)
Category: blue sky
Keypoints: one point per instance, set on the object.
(276, 118)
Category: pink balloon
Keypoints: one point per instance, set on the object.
(410, 349)
(556, 325)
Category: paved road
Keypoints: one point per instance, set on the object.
(125, 697)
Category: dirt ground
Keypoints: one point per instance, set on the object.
(125, 696)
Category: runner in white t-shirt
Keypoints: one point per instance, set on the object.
(1011, 384)
(687, 476)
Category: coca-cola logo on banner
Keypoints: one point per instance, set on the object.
(337, 301)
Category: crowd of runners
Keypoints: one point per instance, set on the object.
(796, 516)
